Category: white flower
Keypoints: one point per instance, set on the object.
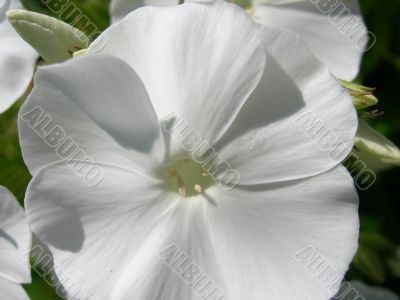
(334, 30)
(15, 239)
(17, 60)
(331, 36)
(242, 87)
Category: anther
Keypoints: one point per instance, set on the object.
(181, 187)
(198, 188)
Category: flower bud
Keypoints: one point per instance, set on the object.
(54, 40)
(362, 96)
(375, 149)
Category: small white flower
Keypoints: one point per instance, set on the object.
(15, 239)
(17, 59)
(241, 86)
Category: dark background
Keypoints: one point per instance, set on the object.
(378, 259)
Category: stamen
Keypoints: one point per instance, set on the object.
(198, 188)
(187, 178)
(181, 187)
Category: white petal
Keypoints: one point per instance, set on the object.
(373, 292)
(243, 240)
(263, 235)
(334, 37)
(164, 273)
(96, 233)
(298, 122)
(15, 240)
(12, 291)
(17, 61)
(202, 70)
(106, 240)
(120, 8)
(101, 104)
(374, 149)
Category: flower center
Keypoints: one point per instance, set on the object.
(187, 178)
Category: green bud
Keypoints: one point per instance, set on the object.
(362, 96)
(374, 149)
(54, 40)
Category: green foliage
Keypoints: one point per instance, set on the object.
(14, 173)
(40, 289)
(375, 256)
(378, 257)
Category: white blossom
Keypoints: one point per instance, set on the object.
(241, 87)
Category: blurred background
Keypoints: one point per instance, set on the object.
(378, 259)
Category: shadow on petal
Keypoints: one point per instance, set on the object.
(66, 232)
(276, 97)
(8, 238)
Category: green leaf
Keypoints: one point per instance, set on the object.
(394, 265)
(368, 262)
(376, 242)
